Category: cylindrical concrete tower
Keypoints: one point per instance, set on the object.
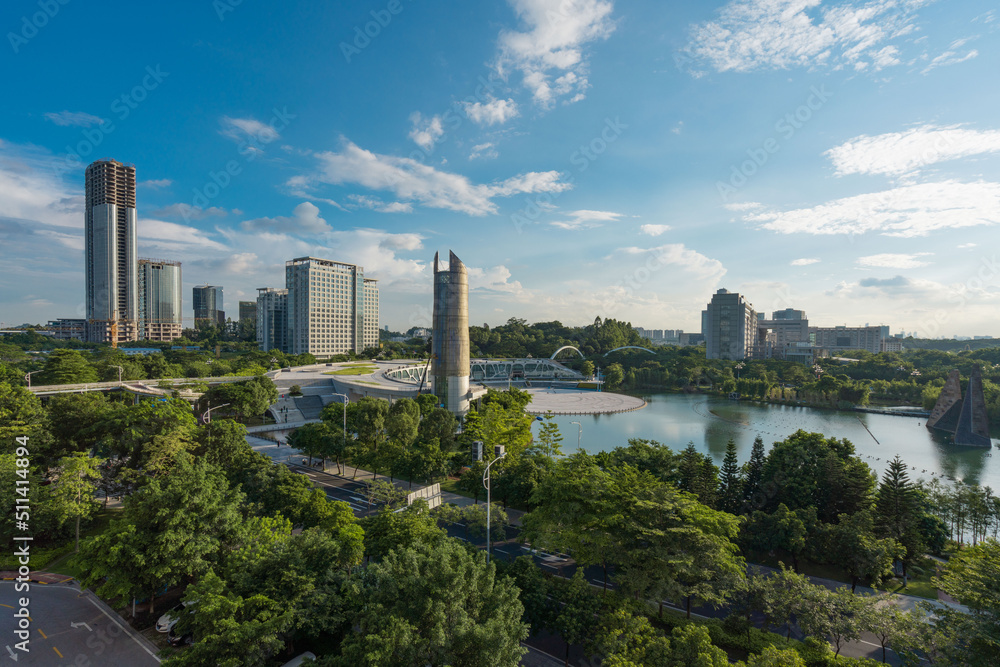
(450, 342)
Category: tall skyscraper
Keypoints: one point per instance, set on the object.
(248, 310)
(332, 307)
(730, 327)
(111, 253)
(450, 340)
(159, 299)
(272, 319)
(207, 302)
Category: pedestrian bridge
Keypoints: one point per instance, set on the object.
(495, 370)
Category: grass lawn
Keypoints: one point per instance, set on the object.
(451, 485)
(364, 369)
(920, 581)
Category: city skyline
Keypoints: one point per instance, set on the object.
(585, 157)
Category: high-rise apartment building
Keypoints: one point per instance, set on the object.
(332, 307)
(207, 302)
(159, 299)
(836, 339)
(729, 324)
(111, 254)
(272, 319)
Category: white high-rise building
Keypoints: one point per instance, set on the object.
(730, 327)
(159, 299)
(111, 253)
(332, 307)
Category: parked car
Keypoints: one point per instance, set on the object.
(167, 622)
(175, 639)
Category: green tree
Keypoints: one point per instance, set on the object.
(174, 529)
(547, 442)
(622, 639)
(691, 646)
(754, 471)
(388, 530)
(66, 367)
(775, 657)
(731, 481)
(587, 368)
(21, 413)
(861, 553)
(614, 375)
(75, 488)
(574, 619)
(897, 512)
(435, 604)
(781, 530)
(973, 578)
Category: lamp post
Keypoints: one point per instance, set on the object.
(120, 371)
(208, 413)
(579, 434)
(27, 377)
(345, 401)
(486, 483)
(739, 367)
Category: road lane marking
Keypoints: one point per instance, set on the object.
(57, 651)
(41, 633)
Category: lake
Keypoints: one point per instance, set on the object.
(677, 419)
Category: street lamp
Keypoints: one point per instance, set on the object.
(208, 413)
(345, 401)
(120, 371)
(27, 377)
(740, 366)
(499, 449)
(579, 435)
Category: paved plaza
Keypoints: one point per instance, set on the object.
(580, 402)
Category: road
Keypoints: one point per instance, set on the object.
(68, 627)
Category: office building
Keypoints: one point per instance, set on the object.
(450, 340)
(248, 311)
(110, 253)
(332, 307)
(785, 330)
(68, 329)
(159, 299)
(730, 327)
(836, 339)
(272, 319)
(207, 301)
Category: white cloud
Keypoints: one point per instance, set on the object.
(485, 151)
(248, 133)
(375, 204)
(73, 118)
(412, 181)
(155, 183)
(304, 219)
(426, 131)
(894, 261)
(493, 112)
(654, 230)
(172, 239)
(780, 34)
(549, 54)
(898, 153)
(913, 210)
(677, 254)
(743, 206)
(585, 219)
(805, 261)
(966, 246)
(951, 56)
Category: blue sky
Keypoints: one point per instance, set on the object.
(583, 157)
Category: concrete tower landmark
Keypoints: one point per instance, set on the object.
(450, 342)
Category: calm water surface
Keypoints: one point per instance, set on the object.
(708, 422)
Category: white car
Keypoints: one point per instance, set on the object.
(167, 622)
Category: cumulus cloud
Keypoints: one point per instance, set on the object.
(585, 219)
(912, 210)
(753, 35)
(376, 204)
(805, 261)
(898, 153)
(426, 131)
(160, 238)
(492, 112)
(894, 261)
(305, 218)
(249, 133)
(549, 52)
(412, 181)
(654, 230)
(74, 119)
(189, 212)
(155, 183)
(679, 255)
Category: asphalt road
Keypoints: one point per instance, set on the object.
(69, 628)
